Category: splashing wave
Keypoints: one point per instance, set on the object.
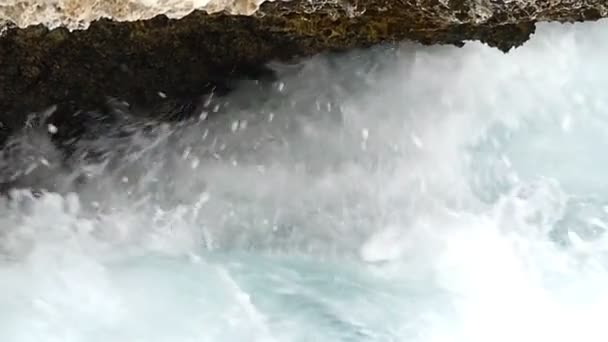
(399, 194)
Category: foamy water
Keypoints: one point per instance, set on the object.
(400, 194)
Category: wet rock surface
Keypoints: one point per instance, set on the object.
(148, 61)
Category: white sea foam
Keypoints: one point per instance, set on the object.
(399, 194)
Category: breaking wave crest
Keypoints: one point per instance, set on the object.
(398, 194)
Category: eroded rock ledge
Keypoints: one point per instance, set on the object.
(184, 57)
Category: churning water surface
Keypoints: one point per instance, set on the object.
(401, 194)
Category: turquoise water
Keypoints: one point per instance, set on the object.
(400, 194)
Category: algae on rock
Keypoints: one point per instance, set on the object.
(188, 56)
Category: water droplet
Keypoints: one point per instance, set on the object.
(506, 161)
(365, 133)
(195, 259)
(194, 163)
(208, 100)
(186, 152)
(416, 140)
(204, 197)
(566, 123)
(30, 168)
(52, 128)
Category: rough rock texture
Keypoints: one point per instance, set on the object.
(185, 57)
(78, 14)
